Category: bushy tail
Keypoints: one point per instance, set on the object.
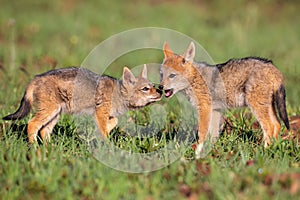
(280, 102)
(25, 106)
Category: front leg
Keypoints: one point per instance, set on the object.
(204, 121)
(112, 123)
(103, 121)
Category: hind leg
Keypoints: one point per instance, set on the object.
(266, 116)
(43, 116)
(275, 121)
(269, 123)
(47, 129)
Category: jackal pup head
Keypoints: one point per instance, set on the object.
(176, 70)
(139, 91)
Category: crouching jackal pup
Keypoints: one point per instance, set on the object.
(253, 82)
(78, 90)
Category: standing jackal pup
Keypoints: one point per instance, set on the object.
(252, 82)
(78, 90)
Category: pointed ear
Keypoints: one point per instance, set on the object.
(167, 51)
(189, 53)
(128, 77)
(143, 73)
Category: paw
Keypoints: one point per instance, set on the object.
(198, 150)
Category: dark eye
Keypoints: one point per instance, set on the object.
(183, 61)
(172, 75)
(145, 89)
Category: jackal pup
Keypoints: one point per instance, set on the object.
(78, 90)
(251, 81)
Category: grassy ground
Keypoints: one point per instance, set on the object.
(37, 36)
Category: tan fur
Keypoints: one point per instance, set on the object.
(78, 90)
(252, 82)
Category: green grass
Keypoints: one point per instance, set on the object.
(37, 36)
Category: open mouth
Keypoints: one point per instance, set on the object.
(168, 93)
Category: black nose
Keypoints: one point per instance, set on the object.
(159, 91)
(161, 87)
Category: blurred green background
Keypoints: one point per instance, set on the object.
(39, 35)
